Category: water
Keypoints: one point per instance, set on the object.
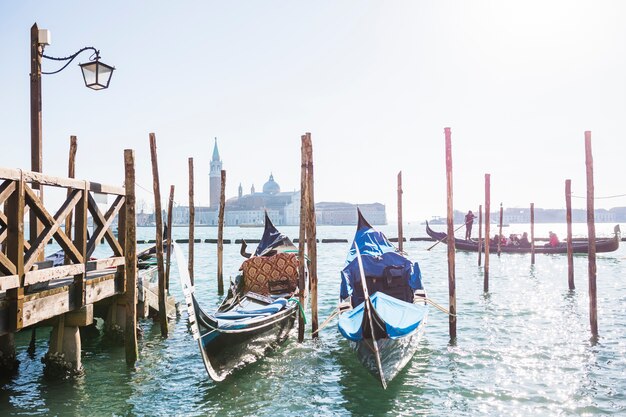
(523, 349)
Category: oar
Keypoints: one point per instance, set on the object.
(367, 306)
(440, 241)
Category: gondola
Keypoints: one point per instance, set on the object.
(602, 244)
(384, 319)
(258, 312)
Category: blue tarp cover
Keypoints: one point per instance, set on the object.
(275, 307)
(376, 253)
(401, 318)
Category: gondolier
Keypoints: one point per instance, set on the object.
(469, 221)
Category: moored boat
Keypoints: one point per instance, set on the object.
(258, 312)
(385, 303)
(602, 244)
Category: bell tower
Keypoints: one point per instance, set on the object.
(215, 178)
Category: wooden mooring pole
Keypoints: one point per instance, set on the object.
(159, 235)
(591, 231)
(400, 236)
(311, 235)
(532, 233)
(170, 230)
(130, 259)
(192, 221)
(487, 231)
(570, 249)
(220, 236)
(451, 245)
(480, 234)
(500, 232)
(302, 284)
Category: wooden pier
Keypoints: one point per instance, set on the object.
(37, 293)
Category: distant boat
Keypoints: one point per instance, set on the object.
(386, 317)
(257, 314)
(602, 244)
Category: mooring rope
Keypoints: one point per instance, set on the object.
(295, 300)
(327, 321)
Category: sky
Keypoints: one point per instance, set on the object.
(375, 82)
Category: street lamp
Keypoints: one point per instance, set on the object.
(97, 76)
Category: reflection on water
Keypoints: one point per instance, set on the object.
(522, 349)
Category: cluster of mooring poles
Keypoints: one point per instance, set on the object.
(591, 238)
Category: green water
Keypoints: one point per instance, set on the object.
(523, 349)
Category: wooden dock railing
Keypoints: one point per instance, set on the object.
(25, 304)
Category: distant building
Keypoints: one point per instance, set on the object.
(331, 213)
(282, 207)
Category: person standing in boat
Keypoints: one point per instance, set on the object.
(469, 221)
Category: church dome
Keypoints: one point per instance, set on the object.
(271, 186)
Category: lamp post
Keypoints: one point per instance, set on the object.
(96, 75)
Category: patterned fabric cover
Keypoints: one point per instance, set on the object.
(278, 273)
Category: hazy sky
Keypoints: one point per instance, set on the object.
(375, 82)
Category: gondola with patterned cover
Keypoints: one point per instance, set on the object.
(258, 312)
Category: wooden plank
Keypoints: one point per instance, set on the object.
(9, 282)
(100, 288)
(6, 189)
(105, 263)
(400, 236)
(570, 248)
(38, 178)
(49, 274)
(487, 232)
(105, 189)
(80, 241)
(6, 266)
(15, 253)
(37, 309)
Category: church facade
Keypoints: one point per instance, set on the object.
(282, 207)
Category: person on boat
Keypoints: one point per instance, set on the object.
(554, 240)
(513, 240)
(469, 221)
(523, 241)
(495, 240)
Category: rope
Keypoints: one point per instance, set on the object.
(437, 306)
(295, 300)
(327, 321)
(601, 198)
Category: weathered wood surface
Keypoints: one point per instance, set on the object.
(220, 235)
(400, 235)
(302, 236)
(192, 222)
(451, 247)
(570, 248)
(311, 233)
(591, 235)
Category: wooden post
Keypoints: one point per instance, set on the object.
(480, 234)
(170, 230)
(532, 233)
(192, 221)
(302, 236)
(71, 173)
(487, 231)
(591, 228)
(36, 159)
(400, 236)
(451, 245)
(15, 252)
(311, 234)
(500, 232)
(570, 249)
(159, 235)
(220, 236)
(130, 262)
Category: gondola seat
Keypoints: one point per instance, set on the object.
(267, 275)
(394, 282)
